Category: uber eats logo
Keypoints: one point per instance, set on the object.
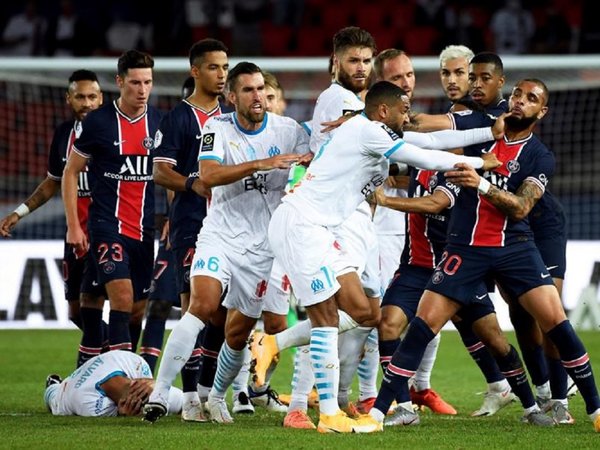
(136, 165)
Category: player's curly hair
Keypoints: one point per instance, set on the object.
(352, 37)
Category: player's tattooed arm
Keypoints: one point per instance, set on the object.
(518, 205)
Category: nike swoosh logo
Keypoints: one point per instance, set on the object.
(260, 340)
(94, 283)
(198, 136)
(115, 143)
(544, 275)
(551, 267)
(145, 291)
(64, 160)
(481, 297)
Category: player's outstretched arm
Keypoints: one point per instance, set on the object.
(430, 204)
(438, 160)
(42, 193)
(213, 173)
(516, 206)
(428, 122)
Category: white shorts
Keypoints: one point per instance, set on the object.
(390, 251)
(307, 253)
(360, 251)
(245, 275)
(277, 299)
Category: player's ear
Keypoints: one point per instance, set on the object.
(542, 112)
(231, 97)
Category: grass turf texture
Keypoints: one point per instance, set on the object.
(26, 357)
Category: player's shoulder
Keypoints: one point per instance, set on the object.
(220, 120)
(337, 96)
(65, 127)
(154, 113)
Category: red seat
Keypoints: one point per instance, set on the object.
(420, 40)
(275, 39)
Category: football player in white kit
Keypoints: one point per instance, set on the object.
(346, 170)
(239, 158)
(113, 383)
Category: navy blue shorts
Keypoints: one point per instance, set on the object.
(554, 253)
(72, 271)
(406, 289)
(119, 257)
(518, 268)
(163, 282)
(79, 275)
(481, 306)
(183, 261)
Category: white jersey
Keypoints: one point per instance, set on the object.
(81, 394)
(353, 163)
(239, 212)
(390, 221)
(333, 102)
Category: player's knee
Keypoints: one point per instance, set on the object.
(391, 326)
(274, 323)
(159, 309)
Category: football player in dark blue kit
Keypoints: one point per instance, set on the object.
(83, 96)
(176, 168)
(489, 233)
(118, 142)
(486, 78)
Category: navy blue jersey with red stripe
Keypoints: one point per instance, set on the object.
(475, 221)
(60, 149)
(178, 143)
(425, 236)
(547, 218)
(121, 151)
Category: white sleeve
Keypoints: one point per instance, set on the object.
(448, 139)
(431, 159)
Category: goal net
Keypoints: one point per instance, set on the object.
(32, 104)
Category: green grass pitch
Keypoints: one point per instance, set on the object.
(27, 356)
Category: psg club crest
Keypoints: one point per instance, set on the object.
(148, 143)
(109, 267)
(432, 182)
(437, 277)
(513, 166)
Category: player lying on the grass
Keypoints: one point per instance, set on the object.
(116, 383)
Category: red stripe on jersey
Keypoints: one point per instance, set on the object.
(421, 253)
(130, 194)
(490, 222)
(203, 116)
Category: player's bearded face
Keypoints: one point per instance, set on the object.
(519, 123)
(250, 101)
(354, 68)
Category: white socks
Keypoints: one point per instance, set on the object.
(423, 374)
(177, 351)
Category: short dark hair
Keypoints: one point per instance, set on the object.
(134, 59)
(383, 56)
(352, 37)
(243, 68)
(83, 75)
(489, 58)
(204, 46)
(383, 92)
(188, 87)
